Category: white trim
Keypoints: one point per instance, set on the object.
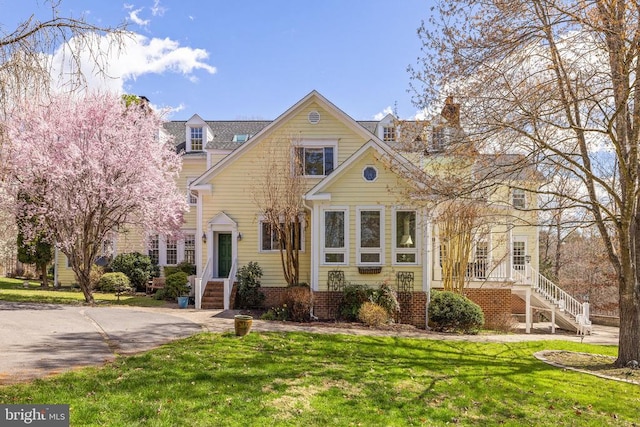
(191, 191)
(262, 220)
(359, 250)
(323, 249)
(315, 143)
(364, 178)
(394, 249)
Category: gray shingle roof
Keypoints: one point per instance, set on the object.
(224, 130)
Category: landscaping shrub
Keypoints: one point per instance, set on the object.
(451, 312)
(353, 297)
(114, 282)
(387, 298)
(249, 294)
(94, 276)
(297, 301)
(184, 266)
(138, 268)
(276, 313)
(372, 314)
(174, 287)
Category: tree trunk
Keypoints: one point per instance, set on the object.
(629, 341)
(43, 272)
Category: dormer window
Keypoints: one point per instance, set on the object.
(241, 137)
(389, 133)
(518, 198)
(196, 138)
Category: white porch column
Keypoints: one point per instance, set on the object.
(510, 252)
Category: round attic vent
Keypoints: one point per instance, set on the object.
(314, 117)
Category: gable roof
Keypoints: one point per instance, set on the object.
(398, 162)
(313, 96)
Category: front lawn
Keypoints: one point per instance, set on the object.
(293, 379)
(14, 290)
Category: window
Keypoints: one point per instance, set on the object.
(154, 249)
(519, 251)
(315, 161)
(370, 173)
(518, 198)
(190, 248)
(172, 251)
(196, 139)
(334, 246)
(241, 137)
(482, 259)
(438, 139)
(370, 236)
(192, 196)
(405, 247)
(270, 241)
(388, 133)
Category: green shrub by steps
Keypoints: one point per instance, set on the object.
(452, 312)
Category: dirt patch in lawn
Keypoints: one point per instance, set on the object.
(594, 364)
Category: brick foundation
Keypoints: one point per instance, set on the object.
(495, 303)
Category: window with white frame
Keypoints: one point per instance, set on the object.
(190, 248)
(154, 249)
(518, 198)
(315, 160)
(172, 251)
(405, 244)
(370, 236)
(270, 240)
(192, 196)
(481, 264)
(438, 138)
(196, 138)
(389, 133)
(335, 223)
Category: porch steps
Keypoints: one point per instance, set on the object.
(213, 297)
(563, 320)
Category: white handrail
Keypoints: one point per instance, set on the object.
(228, 284)
(199, 289)
(556, 295)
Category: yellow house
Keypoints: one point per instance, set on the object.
(359, 223)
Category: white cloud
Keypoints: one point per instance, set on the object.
(157, 10)
(383, 113)
(138, 56)
(133, 16)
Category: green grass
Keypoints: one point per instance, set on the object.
(14, 290)
(293, 379)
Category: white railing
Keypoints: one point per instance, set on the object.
(498, 272)
(228, 284)
(199, 287)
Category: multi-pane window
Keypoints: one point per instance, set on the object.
(334, 237)
(389, 133)
(518, 199)
(196, 139)
(438, 141)
(241, 137)
(314, 161)
(172, 251)
(154, 249)
(270, 241)
(370, 244)
(405, 237)
(480, 266)
(190, 248)
(519, 255)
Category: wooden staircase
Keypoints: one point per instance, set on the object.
(213, 297)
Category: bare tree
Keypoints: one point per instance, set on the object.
(553, 81)
(279, 198)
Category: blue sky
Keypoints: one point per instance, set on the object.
(253, 59)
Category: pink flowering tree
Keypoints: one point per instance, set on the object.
(91, 167)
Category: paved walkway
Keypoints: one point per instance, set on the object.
(37, 340)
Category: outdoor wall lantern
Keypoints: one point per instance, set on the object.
(204, 237)
(239, 236)
(527, 258)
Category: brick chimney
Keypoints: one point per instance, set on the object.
(451, 111)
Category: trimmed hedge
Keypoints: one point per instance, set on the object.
(114, 282)
(452, 312)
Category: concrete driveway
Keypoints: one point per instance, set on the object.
(41, 339)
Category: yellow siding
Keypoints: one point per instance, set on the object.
(352, 191)
(237, 188)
